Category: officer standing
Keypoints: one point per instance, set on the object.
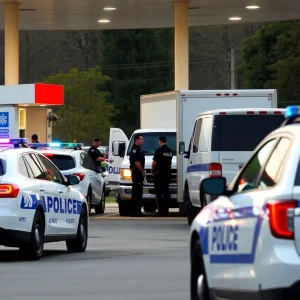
(96, 155)
(137, 164)
(161, 169)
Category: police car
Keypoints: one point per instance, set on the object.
(37, 203)
(70, 159)
(246, 243)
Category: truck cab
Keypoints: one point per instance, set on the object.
(120, 173)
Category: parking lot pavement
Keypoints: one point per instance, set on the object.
(126, 259)
(112, 212)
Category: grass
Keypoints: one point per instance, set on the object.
(110, 199)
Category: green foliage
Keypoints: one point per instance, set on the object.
(139, 62)
(271, 59)
(86, 112)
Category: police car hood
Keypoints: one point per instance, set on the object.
(148, 162)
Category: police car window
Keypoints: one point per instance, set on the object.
(22, 167)
(51, 171)
(35, 169)
(90, 164)
(247, 180)
(197, 136)
(87, 162)
(270, 175)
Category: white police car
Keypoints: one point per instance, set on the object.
(246, 244)
(71, 160)
(37, 203)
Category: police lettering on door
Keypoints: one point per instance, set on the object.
(51, 204)
(224, 239)
(113, 170)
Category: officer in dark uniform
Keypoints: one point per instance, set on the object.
(96, 155)
(137, 164)
(161, 169)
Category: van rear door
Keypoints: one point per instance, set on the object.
(236, 135)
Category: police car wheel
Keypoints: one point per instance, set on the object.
(199, 287)
(99, 209)
(34, 249)
(79, 244)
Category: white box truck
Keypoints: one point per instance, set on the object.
(172, 114)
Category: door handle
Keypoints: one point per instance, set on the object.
(111, 160)
(42, 189)
(60, 191)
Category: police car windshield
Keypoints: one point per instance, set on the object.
(151, 142)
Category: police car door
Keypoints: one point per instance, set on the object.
(62, 202)
(236, 226)
(94, 177)
(115, 162)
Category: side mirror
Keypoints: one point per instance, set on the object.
(118, 148)
(72, 180)
(214, 186)
(181, 148)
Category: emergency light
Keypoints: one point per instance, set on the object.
(292, 112)
(15, 142)
(56, 145)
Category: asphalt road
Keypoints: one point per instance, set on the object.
(126, 259)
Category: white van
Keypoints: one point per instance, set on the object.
(221, 143)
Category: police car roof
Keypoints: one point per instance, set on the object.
(59, 151)
(294, 129)
(7, 149)
(155, 130)
(232, 111)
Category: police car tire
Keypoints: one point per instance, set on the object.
(32, 250)
(100, 209)
(198, 269)
(79, 244)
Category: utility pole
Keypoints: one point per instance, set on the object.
(232, 68)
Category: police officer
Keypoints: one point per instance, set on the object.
(96, 155)
(137, 164)
(161, 169)
(34, 140)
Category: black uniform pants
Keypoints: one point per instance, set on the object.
(137, 192)
(162, 191)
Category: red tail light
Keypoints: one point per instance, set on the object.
(48, 154)
(80, 175)
(278, 218)
(9, 190)
(215, 170)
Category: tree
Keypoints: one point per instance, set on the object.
(86, 113)
(271, 60)
(139, 62)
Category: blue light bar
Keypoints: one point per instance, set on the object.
(292, 111)
(8, 141)
(55, 145)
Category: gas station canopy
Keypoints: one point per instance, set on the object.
(129, 14)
